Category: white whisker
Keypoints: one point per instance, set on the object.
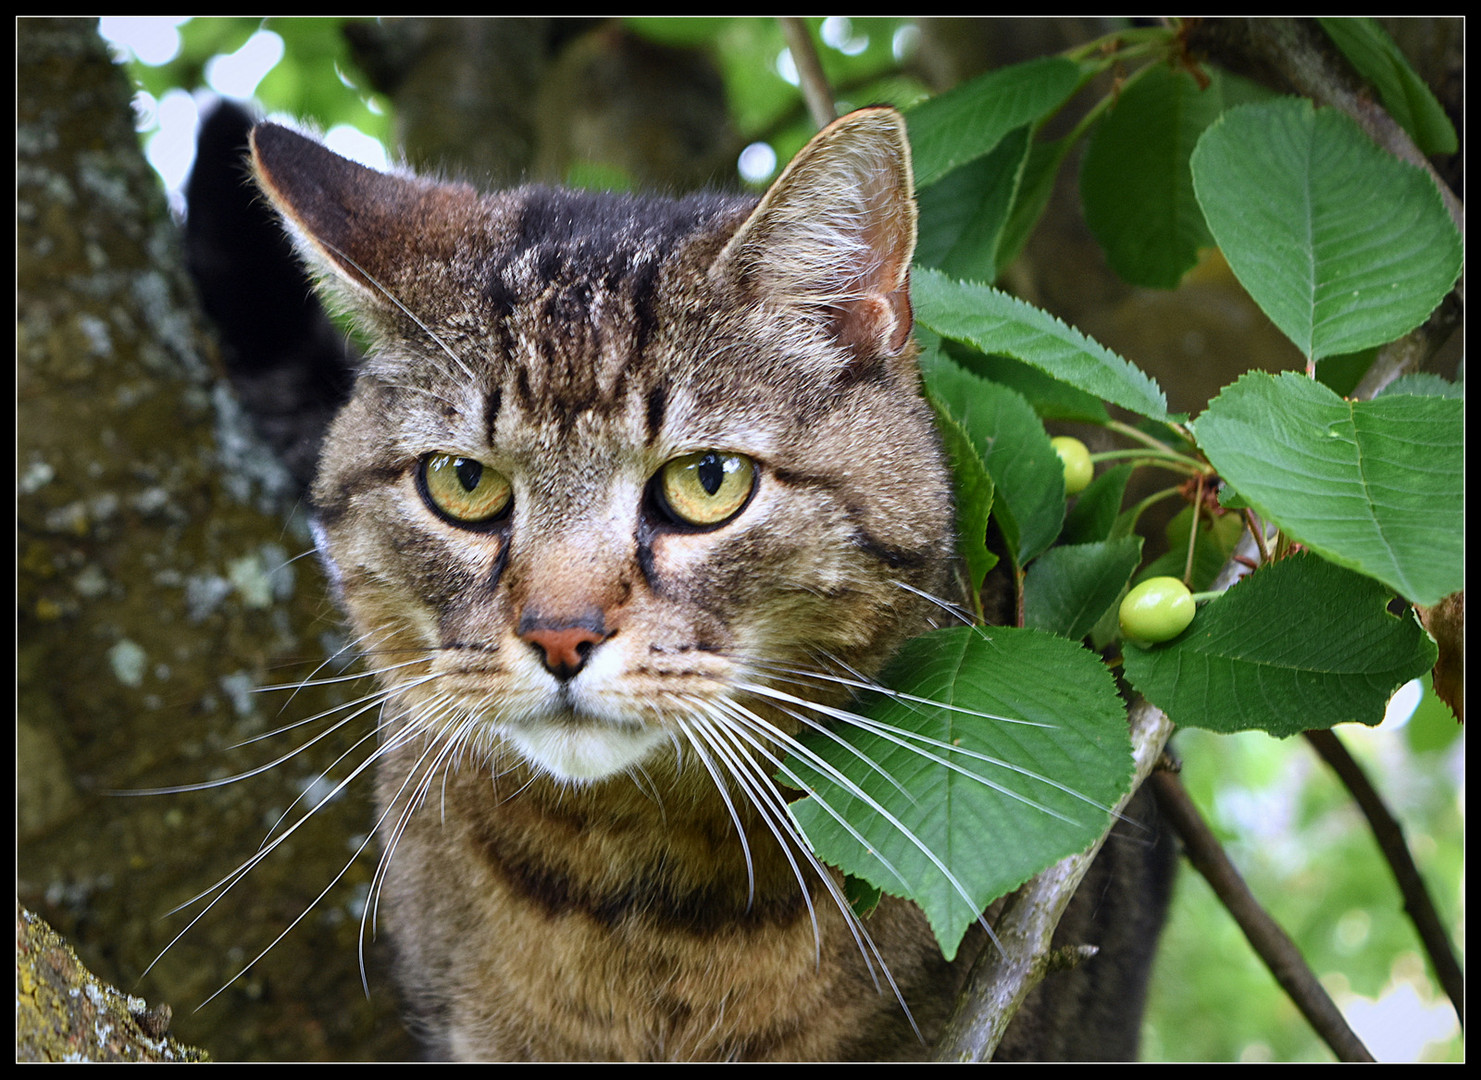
(901, 737)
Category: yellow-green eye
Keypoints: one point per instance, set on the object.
(464, 490)
(707, 488)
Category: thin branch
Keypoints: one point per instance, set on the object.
(1409, 352)
(815, 87)
(1002, 978)
(1269, 941)
(1390, 837)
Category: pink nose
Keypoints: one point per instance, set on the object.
(564, 646)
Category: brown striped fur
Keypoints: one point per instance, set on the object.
(577, 858)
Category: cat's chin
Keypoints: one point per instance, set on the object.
(584, 752)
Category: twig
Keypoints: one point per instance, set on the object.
(1390, 837)
(1269, 941)
(1409, 352)
(814, 83)
(1001, 979)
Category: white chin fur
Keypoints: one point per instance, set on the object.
(581, 754)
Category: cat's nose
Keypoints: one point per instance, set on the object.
(564, 644)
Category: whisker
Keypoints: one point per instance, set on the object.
(769, 800)
(900, 737)
(231, 880)
(955, 610)
(445, 748)
(374, 757)
(369, 701)
(404, 309)
(748, 720)
(860, 683)
(698, 744)
(893, 820)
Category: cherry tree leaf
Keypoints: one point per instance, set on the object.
(995, 753)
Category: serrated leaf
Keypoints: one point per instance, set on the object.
(1010, 760)
(1071, 586)
(1051, 398)
(996, 322)
(967, 121)
(1135, 182)
(1027, 475)
(1298, 644)
(973, 487)
(1341, 245)
(1424, 384)
(1403, 93)
(1377, 486)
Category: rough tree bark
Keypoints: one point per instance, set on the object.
(156, 589)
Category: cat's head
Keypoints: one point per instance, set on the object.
(621, 467)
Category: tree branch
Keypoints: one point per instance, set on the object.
(1003, 977)
(809, 71)
(1298, 56)
(1390, 837)
(1270, 942)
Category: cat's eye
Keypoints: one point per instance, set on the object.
(706, 489)
(463, 490)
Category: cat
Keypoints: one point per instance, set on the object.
(629, 492)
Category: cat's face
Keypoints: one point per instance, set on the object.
(624, 468)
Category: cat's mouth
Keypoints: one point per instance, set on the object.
(576, 747)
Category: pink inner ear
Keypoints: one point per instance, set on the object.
(880, 321)
(904, 320)
(875, 325)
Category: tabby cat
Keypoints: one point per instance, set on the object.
(631, 491)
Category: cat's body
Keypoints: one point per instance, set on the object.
(630, 492)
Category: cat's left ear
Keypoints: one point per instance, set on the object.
(835, 234)
(371, 236)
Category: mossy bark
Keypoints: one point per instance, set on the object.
(158, 586)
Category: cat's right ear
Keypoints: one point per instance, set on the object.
(834, 236)
(369, 233)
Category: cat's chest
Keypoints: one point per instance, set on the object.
(565, 934)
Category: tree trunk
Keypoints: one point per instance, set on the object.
(157, 588)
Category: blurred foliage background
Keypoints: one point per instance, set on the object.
(580, 118)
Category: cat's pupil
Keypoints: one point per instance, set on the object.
(711, 472)
(468, 472)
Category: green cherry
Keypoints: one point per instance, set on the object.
(1078, 471)
(1158, 609)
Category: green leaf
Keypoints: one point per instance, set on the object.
(862, 896)
(1051, 398)
(1403, 93)
(962, 215)
(973, 488)
(1027, 475)
(1378, 486)
(961, 125)
(1341, 245)
(1135, 182)
(1298, 644)
(1424, 384)
(1006, 756)
(995, 322)
(1036, 186)
(1095, 511)
(1071, 586)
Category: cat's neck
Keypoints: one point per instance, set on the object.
(665, 838)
